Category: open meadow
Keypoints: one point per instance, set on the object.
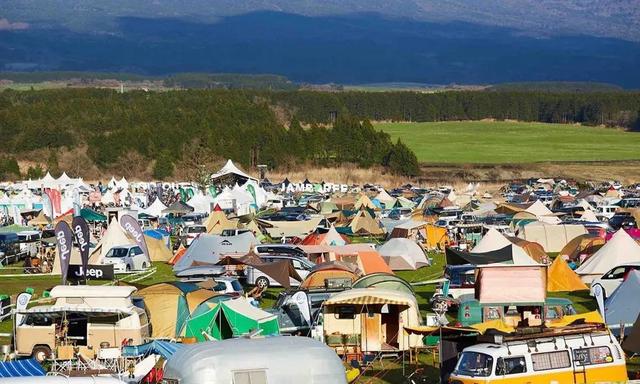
(502, 142)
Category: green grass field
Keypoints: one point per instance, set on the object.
(513, 142)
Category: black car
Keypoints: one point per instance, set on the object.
(625, 221)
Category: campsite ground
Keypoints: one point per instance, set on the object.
(389, 371)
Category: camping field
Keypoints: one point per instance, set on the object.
(502, 142)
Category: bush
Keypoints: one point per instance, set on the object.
(164, 165)
(401, 160)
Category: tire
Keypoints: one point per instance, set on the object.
(128, 268)
(144, 265)
(41, 353)
(262, 282)
(604, 293)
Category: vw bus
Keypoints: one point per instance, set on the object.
(578, 354)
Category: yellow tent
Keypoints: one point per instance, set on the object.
(41, 219)
(497, 324)
(560, 278)
(158, 251)
(218, 222)
(436, 237)
(589, 317)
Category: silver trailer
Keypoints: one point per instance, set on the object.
(280, 359)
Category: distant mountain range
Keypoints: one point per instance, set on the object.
(346, 41)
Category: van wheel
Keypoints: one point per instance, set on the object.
(262, 282)
(40, 353)
(128, 268)
(144, 265)
(604, 293)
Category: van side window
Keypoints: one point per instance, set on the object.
(250, 377)
(511, 366)
(616, 273)
(592, 356)
(550, 360)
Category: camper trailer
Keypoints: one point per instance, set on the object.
(282, 359)
(370, 320)
(581, 354)
(85, 317)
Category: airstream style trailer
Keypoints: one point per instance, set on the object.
(278, 359)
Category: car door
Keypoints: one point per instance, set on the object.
(302, 270)
(612, 279)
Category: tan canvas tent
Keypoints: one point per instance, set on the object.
(218, 222)
(158, 251)
(364, 224)
(552, 237)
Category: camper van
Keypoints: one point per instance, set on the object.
(557, 356)
(470, 311)
(84, 317)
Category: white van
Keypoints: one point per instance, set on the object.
(126, 258)
(606, 210)
(85, 317)
(611, 280)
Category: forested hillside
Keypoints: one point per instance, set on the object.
(187, 129)
(168, 128)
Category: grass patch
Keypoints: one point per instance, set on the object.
(513, 142)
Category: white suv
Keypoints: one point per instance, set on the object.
(192, 232)
(611, 280)
(259, 279)
(125, 258)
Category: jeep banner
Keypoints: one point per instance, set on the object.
(90, 272)
(132, 227)
(81, 231)
(64, 240)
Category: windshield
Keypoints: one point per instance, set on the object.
(474, 364)
(117, 252)
(236, 285)
(196, 229)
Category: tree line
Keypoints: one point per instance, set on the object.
(167, 128)
(594, 108)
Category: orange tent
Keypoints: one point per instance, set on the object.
(372, 262)
(560, 278)
(179, 253)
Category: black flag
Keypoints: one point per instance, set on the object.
(81, 232)
(64, 239)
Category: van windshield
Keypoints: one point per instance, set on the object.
(474, 364)
(117, 252)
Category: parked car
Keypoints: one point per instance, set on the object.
(622, 220)
(611, 280)
(259, 279)
(606, 210)
(228, 285)
(125, 258)
(191, 232)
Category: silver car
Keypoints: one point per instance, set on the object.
(259, 279)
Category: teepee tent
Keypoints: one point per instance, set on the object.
(218, 222)
(364, 203)
(560, 278)
(155, 209)
(385, 199)
(364, 224)
(620, 249)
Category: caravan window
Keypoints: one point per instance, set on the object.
(550, 360)
(592, 356)
(511, 366)
(250, 377)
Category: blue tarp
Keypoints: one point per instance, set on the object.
(21, 368)
(163, 348)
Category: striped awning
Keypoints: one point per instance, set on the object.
(366, 300)
(21, 368)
